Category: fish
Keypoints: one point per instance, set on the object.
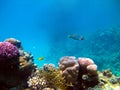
(76, 37)
(41, 58)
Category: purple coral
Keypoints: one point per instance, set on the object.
(8, 50)
(84, 62)
(92, 69)
(79, 72)
(70, 68)
(15, 64)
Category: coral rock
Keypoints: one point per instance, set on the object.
(84, 62)
(70, 68)
(15, 64)
(92, 69)
(14, 41)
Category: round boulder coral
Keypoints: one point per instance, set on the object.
(70, 68)
(84, 63)
(92, 69)
(15, 42)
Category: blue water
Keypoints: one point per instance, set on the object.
(43, 25)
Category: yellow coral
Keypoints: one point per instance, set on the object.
(54, 77)
(109, 83)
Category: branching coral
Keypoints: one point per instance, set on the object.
(36, 81)
(54, 77)
(48, 76)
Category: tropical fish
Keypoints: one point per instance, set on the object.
(40, 58)
(76, 37)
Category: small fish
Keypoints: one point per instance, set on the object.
(40, 58)
(76, 37)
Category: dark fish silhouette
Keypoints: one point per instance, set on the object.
(76, 37)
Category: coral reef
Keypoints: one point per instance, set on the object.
(103, 45)
(18, 72)
(87, 76)
(79, 72)
(15, 65)
(47, 77)
(71, 74)
(107, 81)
